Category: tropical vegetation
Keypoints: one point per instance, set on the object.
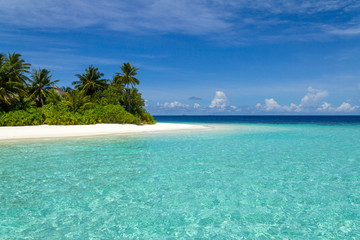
(32, 98)
(41, 86)
(127, 79)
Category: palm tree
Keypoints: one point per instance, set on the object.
(66, 89)
(12, 77)
(5, 87)
(53, 96)
(77, 100)
(127, 79)
(2, 64)
(41, 85)
(90, 81)
(17, 68)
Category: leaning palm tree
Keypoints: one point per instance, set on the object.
(17, 68)
(12, 77)
(5, 87)
(90, 81)
(41, 86)
(127, 79)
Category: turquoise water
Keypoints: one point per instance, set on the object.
(238, 181)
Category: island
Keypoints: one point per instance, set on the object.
(31, 97)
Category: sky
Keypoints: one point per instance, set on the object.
(205, 57)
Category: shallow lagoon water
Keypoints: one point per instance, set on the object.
(235, 181)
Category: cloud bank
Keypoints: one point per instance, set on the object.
(344, 107)
(312, 103)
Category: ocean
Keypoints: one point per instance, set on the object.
(223, 119)
(247, 177)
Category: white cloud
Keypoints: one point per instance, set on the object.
(292, 107)
(191, 17)
(313, 96)
(220, 101)
(346, 107)
(308, 104)
(325, 107)
(271, 105)
(233, 19)
(346, 31)
(174, 104)
(177, 105)
(174, 107)
(219, 104)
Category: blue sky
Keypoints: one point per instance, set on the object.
(201, 57)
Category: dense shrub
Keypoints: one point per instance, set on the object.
(32, 116)
(113, 94)
(59, 114)
(146, 117)
(117, 114)
(109, 114)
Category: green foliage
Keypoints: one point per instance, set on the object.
(90, 81)
(41, 86)
(127, 76)
(22, 118)
(22, 103)
(60, 114)
(113, 94)
(67, 89)
(147, 118)
(53, 97)
(136, 102)
(117, 114)
(127, 79)
(12, 79)
(77, 100)
(16, 68)
(116, 94)
(92, 101)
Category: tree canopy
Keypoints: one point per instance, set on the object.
(90, 81)
(36, 100)
(13, 79)
(41, 85)
(127, 79)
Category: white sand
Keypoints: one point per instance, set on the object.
(55, 131)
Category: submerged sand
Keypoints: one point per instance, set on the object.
(56, 131)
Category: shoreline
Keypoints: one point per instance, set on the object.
(63, 131)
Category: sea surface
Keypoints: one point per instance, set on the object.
(243, 178)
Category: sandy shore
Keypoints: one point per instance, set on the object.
(51, 131)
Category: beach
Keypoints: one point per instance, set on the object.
(59, 131)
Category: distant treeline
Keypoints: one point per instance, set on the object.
(32, 98)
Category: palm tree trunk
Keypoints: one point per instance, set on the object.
(128, 99)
